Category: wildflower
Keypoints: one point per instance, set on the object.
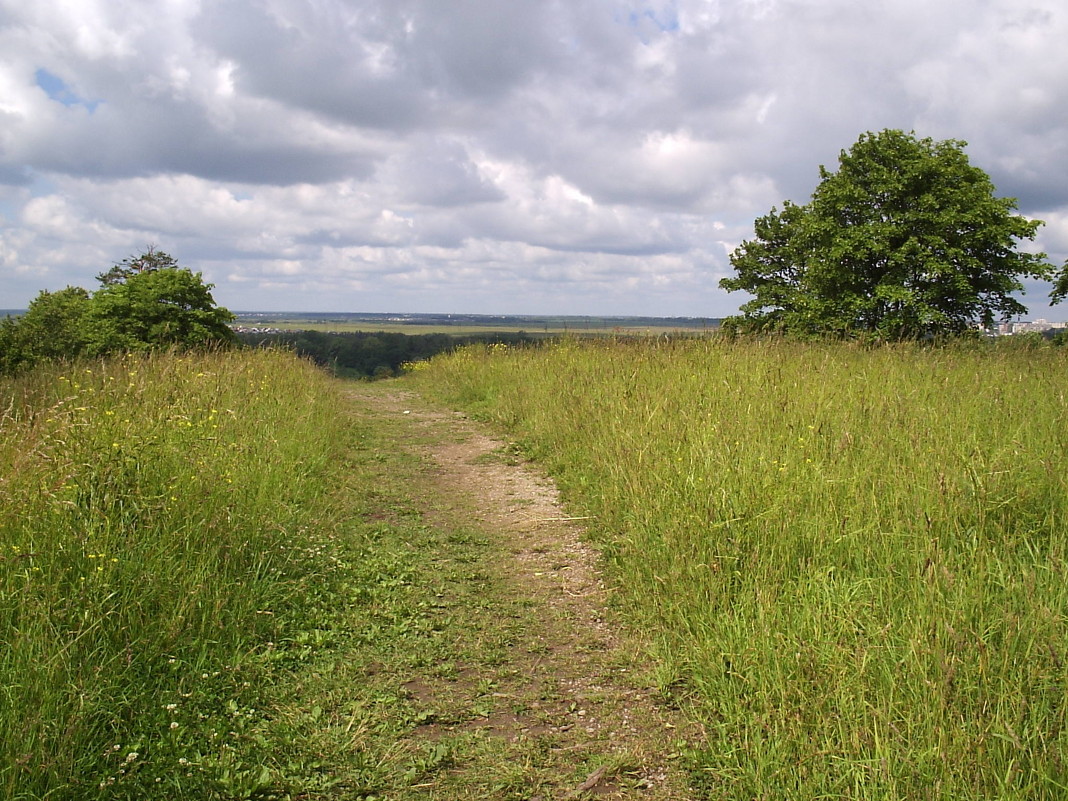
(174, 724)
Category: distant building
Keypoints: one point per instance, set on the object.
(1033, 326)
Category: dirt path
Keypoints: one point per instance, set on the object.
(571, 687)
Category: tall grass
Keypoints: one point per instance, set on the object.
(853, 560)
(157, 519)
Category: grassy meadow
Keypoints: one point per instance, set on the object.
(850, 562)
(161, 529)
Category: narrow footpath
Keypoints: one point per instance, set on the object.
(535, 691)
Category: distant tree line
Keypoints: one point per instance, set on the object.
(145, 302)
(374, 354)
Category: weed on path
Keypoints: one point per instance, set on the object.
(485, 662)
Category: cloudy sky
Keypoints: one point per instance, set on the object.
(489, 156)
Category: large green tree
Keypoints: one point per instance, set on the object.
(906, 240)
(161, 307)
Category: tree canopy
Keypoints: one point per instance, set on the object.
(906, 240)
(54, 324)
(145, 302)
(168, 306)
(147, 262)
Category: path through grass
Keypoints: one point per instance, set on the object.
(227, 576)
(479, 658)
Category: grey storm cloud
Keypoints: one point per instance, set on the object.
(578, 156)
(393, 65)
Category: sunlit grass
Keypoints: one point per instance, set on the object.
(157, 523)
(852, 561)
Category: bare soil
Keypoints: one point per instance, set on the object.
(576, 682)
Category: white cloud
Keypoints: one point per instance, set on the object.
(548, 156)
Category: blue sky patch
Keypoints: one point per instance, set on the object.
(57, 90)
(647, 20)
(665, 22)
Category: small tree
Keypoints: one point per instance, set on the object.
(156, 308)
(54, 326)
(906, 240)
(13, 355)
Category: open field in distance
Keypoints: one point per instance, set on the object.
(460, 324)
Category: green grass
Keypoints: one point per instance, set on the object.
(216, 583)
(222, 578)
(417, 606)
(425, 642)
(163, 538)
(852, 560)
